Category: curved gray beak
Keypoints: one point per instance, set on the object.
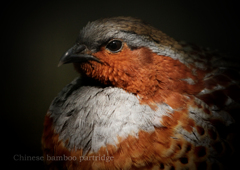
(76, 54)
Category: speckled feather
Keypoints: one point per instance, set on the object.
(156, 104)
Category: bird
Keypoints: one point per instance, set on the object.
(143, 101)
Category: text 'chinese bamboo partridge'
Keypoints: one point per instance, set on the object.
(143, 101)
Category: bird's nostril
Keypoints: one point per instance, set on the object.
(80, 48)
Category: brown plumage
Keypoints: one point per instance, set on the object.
(143, 101)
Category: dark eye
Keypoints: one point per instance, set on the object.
(114, 46)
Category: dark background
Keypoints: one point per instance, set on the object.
(36, 33)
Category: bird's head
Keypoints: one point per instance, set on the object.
(126, 52)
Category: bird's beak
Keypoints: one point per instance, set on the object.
(76, 54)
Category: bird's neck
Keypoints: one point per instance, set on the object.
(152, 80)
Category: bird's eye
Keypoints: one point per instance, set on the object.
(114, 46)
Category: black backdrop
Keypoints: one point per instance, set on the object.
(36, 33)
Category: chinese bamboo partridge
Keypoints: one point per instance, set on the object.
(143, 101)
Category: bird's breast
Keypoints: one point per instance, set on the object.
(91, 117)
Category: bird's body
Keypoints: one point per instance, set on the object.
(143, 101)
